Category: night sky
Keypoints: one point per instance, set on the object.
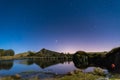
(59, 25)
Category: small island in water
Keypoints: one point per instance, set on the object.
(50, 65)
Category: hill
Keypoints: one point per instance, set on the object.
(44, 53)
(48, 53)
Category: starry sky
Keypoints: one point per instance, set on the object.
(59, 25)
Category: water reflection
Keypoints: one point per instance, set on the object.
(81, 61)
(59, 66)
(99, 62)
(42, 63)
(46, 63)
(19, 66)
(6, 65)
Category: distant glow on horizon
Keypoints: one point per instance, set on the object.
(66, 49)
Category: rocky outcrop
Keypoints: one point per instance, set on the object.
(113, 57)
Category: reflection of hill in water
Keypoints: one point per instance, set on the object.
(43, 63)
(46, 63)
(6, 65)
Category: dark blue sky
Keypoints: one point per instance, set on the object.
(59, 25)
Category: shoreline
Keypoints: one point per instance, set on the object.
(76, 74)
(17, 58)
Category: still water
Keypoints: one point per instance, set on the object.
(18, 66)
(29, 68)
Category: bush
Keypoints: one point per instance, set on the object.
(9, 52)
(80, 59)
(98, 71)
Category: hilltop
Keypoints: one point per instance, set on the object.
(44, 53)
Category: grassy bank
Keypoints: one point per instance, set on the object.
(74, 75)
(79, 76)
(7, 57)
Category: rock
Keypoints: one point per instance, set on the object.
(16, 76)
(77, 71)
(99, 71)
(70, 73)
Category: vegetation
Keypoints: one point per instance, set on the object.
(48, 53)
(74, 75)
(99, 71)
(80, 59)
(111, 55)
(9, 52)
(7, 57)
(44, 53)
(42, 63)
(99, 59)
(6, 65)
(25, 54)
(80, 76)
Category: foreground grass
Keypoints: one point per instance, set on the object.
(80, 76)
(115, 77)
(75, 75)
(6, 57)
(97, 74)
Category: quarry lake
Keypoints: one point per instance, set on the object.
(46, 67)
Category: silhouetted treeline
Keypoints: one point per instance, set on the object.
(6, 65)
(45, 53)
(9, 52)
(82, 59)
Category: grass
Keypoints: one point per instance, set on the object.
(115, 77)
(7, 57)
(80, 76)
(74, 75)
